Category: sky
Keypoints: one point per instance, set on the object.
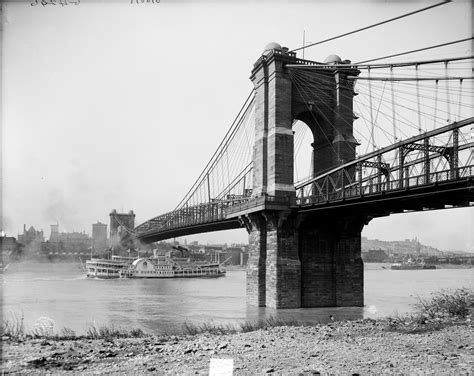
(112, 105)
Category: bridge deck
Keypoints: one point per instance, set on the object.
(436, 191)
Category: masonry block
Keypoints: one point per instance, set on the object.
(332, 272)
(256, 266)
(283, 270)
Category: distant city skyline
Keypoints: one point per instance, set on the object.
(204, 240)
(108, 105)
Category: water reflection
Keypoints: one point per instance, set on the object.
(306, 315)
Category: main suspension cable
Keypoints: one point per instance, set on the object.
(413, 51)
(372, 26)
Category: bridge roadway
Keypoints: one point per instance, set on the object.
(442, 189)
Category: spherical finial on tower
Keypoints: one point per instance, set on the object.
(270, 47)
(333, 59)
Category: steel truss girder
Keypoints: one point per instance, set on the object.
(450, 127)
(422, 147)
(383, 167)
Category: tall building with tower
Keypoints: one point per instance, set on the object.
(99, 236)
(31, 236)
(120, 226)
(54, 237)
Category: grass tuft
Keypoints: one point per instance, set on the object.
(137, 333)
(110, 332)
(447, 304)
(246, 326)
(439, 310)
(207, 327)
(14, 327)
(270, 322)
(67, 333)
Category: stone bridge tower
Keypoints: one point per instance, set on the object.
(119, 224)
(301, 259)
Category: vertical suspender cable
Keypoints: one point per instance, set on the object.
(393, 106)
(447, 92)
(371, 112)
(208, 188)
(394, 120)
(418, 98)
(220, 177)
(435, 105)
(460, 96)
(228, 172)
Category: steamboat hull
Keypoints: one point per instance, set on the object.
(125, 275)
(412, 267)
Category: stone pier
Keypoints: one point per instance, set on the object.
(309, 264)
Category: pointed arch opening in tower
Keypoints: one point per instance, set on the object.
(303, 151)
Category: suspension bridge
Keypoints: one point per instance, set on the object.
(384, 138)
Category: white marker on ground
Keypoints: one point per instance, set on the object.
(221, 367)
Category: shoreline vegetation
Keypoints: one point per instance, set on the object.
(437, 336)
(441, 309)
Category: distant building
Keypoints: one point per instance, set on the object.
(99, 236)
(212, 248)
(8, 246)
(194, 248)
(374, 255)
(233, 255)
(244, 259)
(30, 236)
(230, 255)
(54, 237)
(74, 237)
(68, 241)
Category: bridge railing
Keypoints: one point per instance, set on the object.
(220, 210)
(215, 211)
(191, 215)
(372, 187)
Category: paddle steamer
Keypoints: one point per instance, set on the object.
(167, 267)
(107, 268)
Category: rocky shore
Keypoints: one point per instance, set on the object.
(351, 347)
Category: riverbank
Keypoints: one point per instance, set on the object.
(387, 265)
(363, 347)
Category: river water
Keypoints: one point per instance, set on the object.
(62, 293)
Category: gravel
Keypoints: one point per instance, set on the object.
(349, 348)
